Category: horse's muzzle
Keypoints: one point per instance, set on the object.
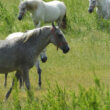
(43, 59)
(19, 17)
(90, 10)
(66, 49)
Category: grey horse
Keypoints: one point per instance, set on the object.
(37, 64)
(20, 54)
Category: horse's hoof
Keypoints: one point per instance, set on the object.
(39, 84)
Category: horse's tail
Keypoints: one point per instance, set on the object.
(64, 21)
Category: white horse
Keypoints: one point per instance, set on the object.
(44, 11)
(102, 8)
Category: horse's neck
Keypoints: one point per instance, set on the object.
(36, 6)
(44, 38)
(42, 41)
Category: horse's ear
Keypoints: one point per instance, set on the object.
(53, 25)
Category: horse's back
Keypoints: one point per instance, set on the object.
(15, 35)
(57, 4)
(53, 10)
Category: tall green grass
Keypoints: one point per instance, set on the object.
(89, 41)
(58, 98)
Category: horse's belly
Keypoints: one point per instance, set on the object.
(4, 69)
(6, 65)
(50, 19)
(52, 16)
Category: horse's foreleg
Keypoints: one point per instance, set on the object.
(5, 83)
(17, 76)
(37, 64)
(26, 78)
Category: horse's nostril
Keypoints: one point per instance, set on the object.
(66, 50)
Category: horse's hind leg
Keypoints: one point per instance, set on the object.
(59, 22)
(5, 83)
(62, 22)
(37, 64)
(17, 76)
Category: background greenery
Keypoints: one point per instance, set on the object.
(69, 81)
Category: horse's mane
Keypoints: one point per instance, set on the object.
(31, 35)
(31, 3)
(35, 1)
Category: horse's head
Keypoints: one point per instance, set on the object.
(43, 56)
(22, 10)
(58, 39)
(92, 4)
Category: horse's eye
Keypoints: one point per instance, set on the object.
(60, 35)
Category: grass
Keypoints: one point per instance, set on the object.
(89, 41)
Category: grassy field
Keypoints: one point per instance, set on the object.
(89, 41)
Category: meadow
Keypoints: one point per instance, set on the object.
(78, 80)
